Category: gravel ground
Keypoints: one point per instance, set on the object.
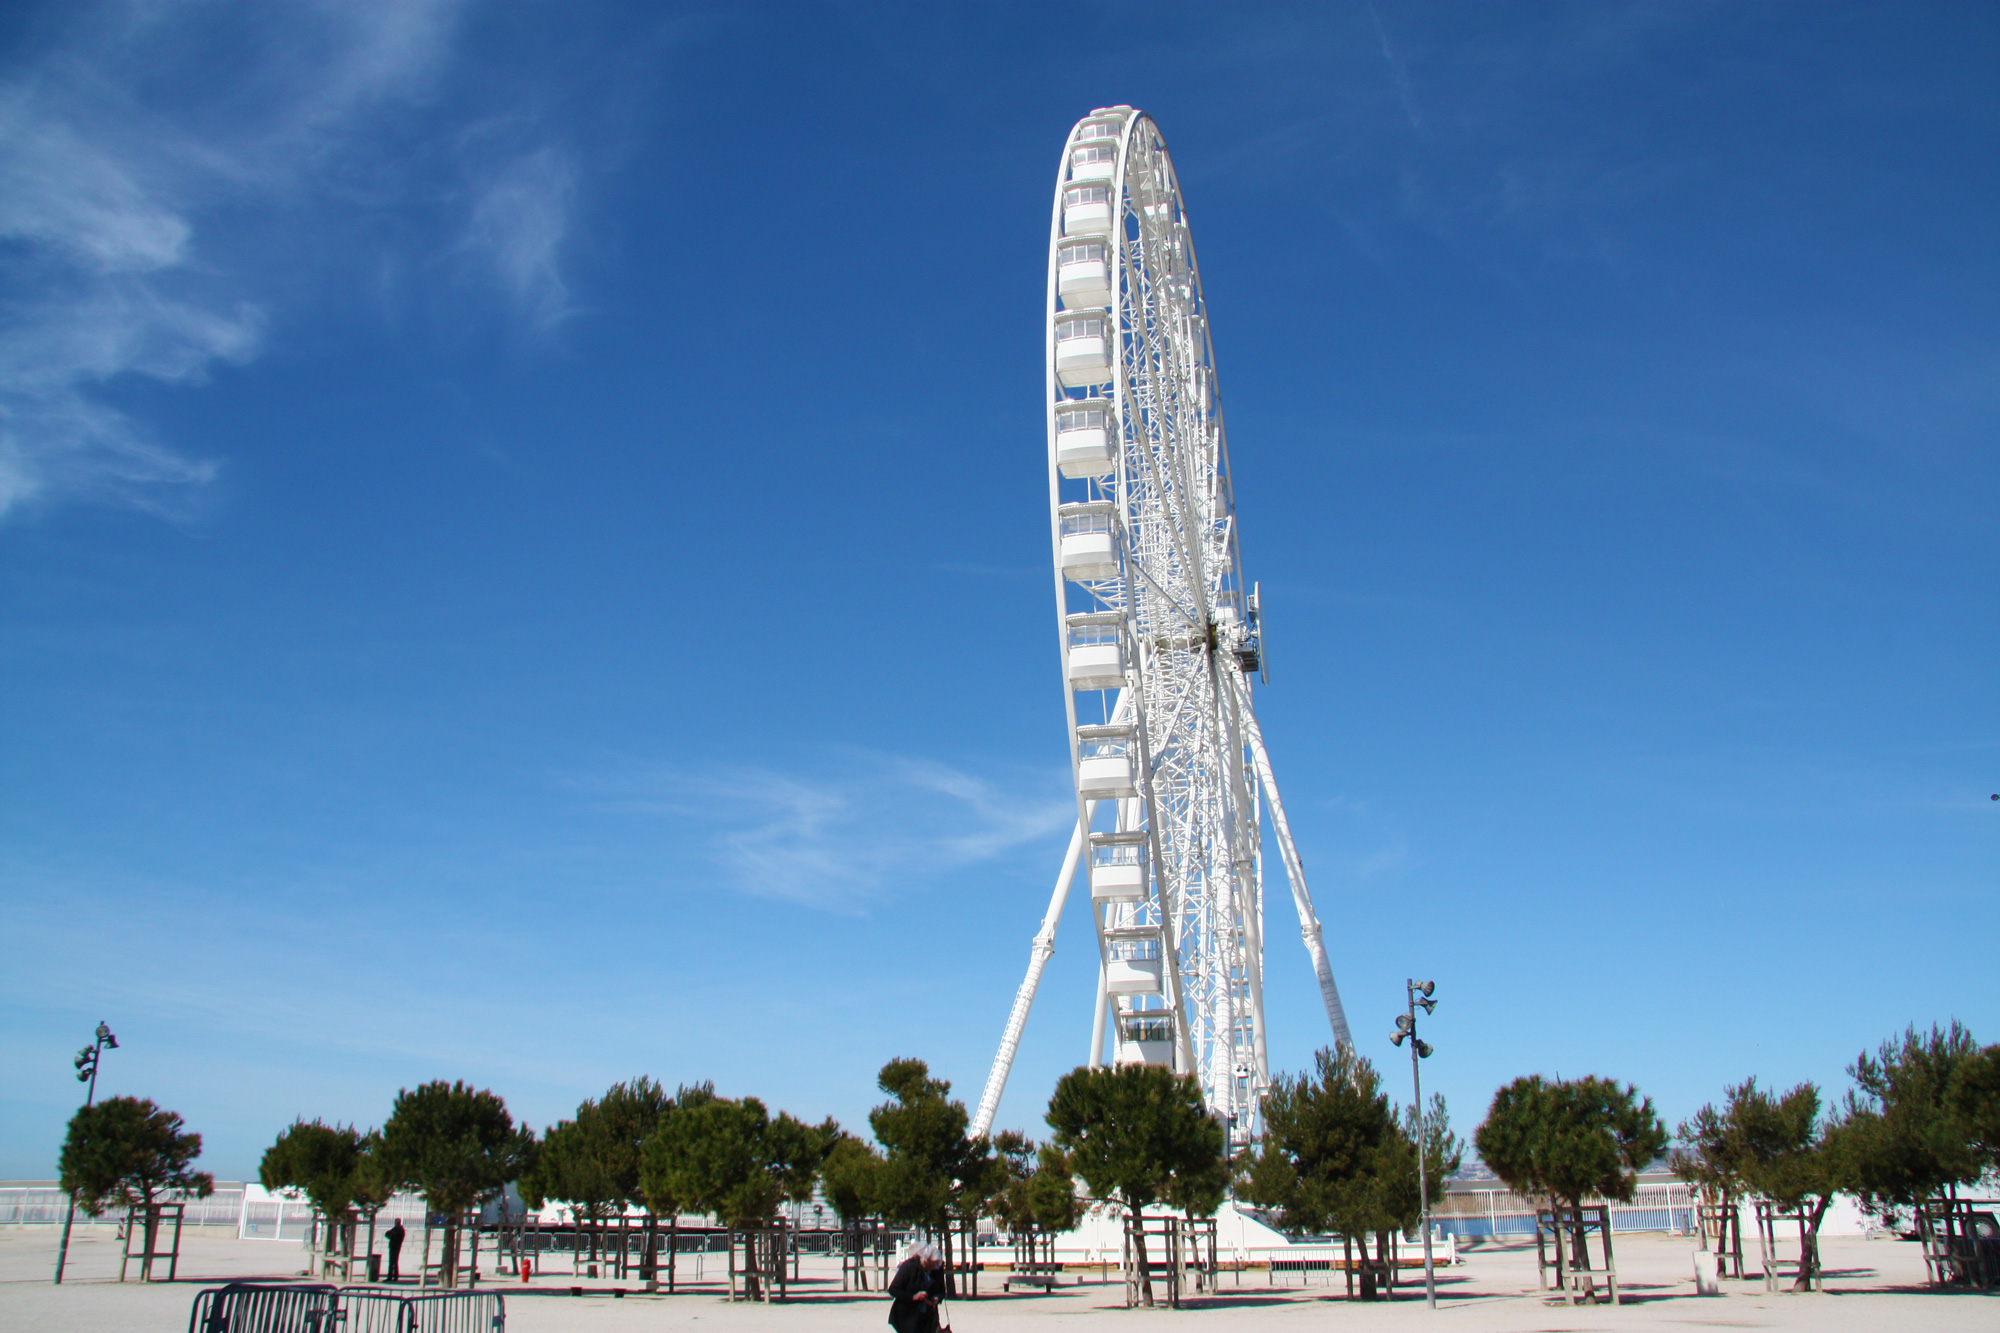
(1871, 1285)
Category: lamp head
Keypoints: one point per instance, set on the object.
(1397, 1039)
(104, 1035)
(1423, 1049)
(1404, 1023)
(1426, 986)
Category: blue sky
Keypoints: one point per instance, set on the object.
(523, 552)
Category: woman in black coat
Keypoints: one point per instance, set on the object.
(915, 1290)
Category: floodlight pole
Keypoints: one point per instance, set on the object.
(86, 1071)
(1419, 993)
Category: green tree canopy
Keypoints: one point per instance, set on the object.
(1336, 1156)
(1140, 1134)
(1039, 1193)
(1777, 1147)
(630, 1114)
(574, 1165)
(1707, 1155)
(931, 1168)
(1974, 1097)
(1570, 1138)
(1914, 1119)
(126, 1151)
(458, 1147)
(323, 1162)
(852, 1179)
(374, 1184)
(731, 1158)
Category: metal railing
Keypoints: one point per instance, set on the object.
(243, 1307)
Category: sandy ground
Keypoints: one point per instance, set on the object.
(1871, 1285)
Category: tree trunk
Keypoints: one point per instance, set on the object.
(448, 1268)
(152, 1236)
(1579, 1247)
(1809, 1246)
(1138, 1225)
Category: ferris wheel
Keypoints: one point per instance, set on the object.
(1160, 638)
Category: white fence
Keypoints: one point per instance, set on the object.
(253, 1212)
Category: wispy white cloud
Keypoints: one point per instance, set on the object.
(1398, 73)
(517, 229)
(125, 181)
(846, 841)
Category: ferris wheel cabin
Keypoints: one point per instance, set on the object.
(1095, 161)
(1083, 272)
(1146, 1037)
(1096, 650)
(1089, 541)
(1132, 962)
(1083, 438)
(1087, 209)
(1118, 867)
(1083, 348)
(1105, 767)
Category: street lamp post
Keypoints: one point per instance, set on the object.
(86, 1072)
(1418, 993)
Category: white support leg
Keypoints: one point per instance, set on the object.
(1103, 1011)
(1309, 928)
(1024, 999)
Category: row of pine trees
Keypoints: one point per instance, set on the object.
(1336, 1156)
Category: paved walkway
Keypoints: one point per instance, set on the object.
(1871, 1285)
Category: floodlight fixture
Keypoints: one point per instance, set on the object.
(1419, 993)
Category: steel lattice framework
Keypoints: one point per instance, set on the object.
(1160, 638)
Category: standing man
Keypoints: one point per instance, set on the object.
(394, 1237)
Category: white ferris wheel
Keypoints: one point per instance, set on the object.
(1159, 637)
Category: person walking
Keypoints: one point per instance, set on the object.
(393, 1237)
(915, 1290)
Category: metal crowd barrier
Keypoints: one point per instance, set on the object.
(243, 1307)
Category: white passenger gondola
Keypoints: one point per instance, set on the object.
(1094, 162)
(1083, 438)
(1118, 867)
(1087, 210)
(1096, 657)
(1083, 348)
(1089, 540)
(1146, 1037)
(1132, 962)
(1107, 764)
(1083, 273)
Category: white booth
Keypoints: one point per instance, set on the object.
(1118, 866)
(1094, 161)
(1089, 540)
(1096, 656)
(1107, 766)
(1146, 1037)
(1086, 210)
(1084, 432)
(1083, 348)
(1132, 962)
(1083, 272)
